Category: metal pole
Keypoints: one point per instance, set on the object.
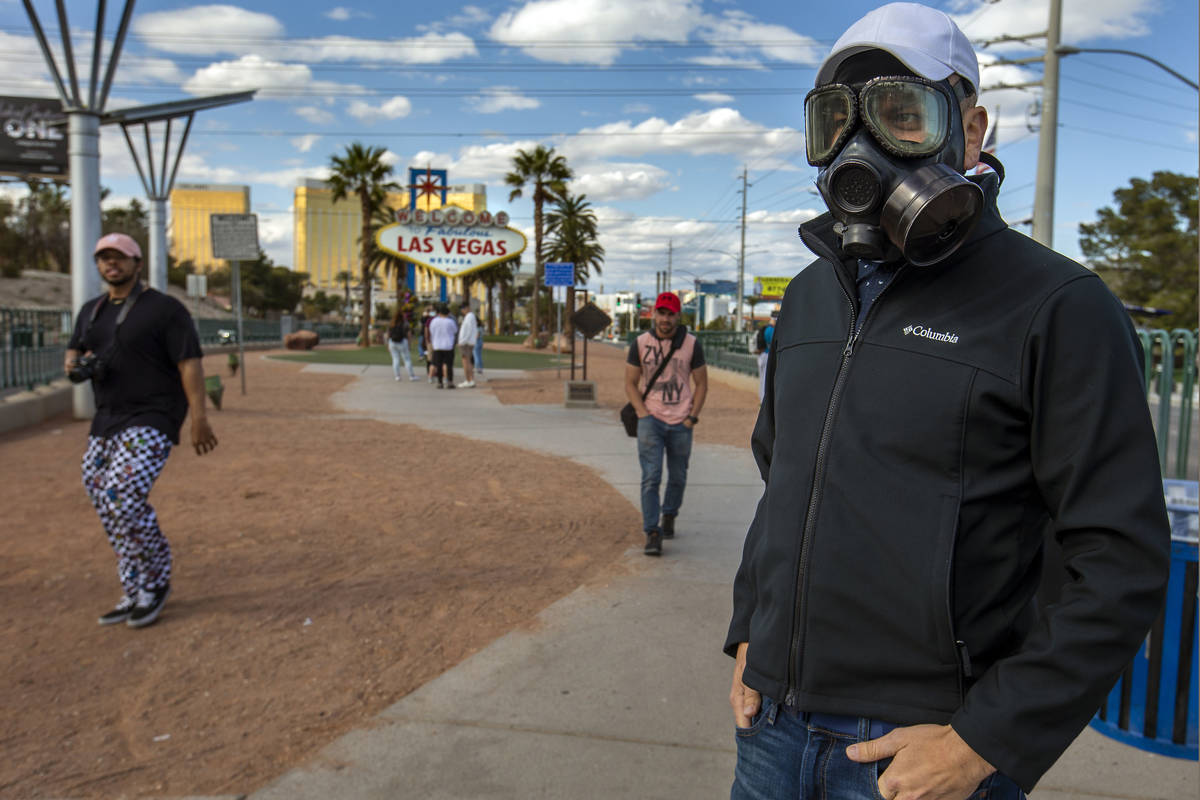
(237, 293)
(157, 264)
(742, 258)
(1043, 199)
(558, 338)
(83, 149)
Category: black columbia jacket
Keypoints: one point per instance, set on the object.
(912, 472)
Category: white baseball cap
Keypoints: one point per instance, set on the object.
(926, 40)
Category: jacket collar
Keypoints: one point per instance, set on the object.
(818, 234)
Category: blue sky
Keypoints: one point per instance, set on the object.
(657, 104)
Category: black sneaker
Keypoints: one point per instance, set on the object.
(440, 386)
(653, 544)
(450, 385)
(668, 526)
(149, 606)
(120, 612)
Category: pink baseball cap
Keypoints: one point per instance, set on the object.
(120, 242)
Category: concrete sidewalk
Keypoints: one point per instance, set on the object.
(620, 689)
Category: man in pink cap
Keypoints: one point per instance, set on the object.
(666, 380)
(940, 392)
(138, 348)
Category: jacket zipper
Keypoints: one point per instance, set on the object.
(817, 482)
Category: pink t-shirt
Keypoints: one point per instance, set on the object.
(670, 400)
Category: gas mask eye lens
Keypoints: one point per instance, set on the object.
(908, 117)
(830, 113)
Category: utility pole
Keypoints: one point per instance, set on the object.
(742, 257)
(669, 253)
(1043, 198)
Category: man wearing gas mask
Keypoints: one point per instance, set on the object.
(940, 392)
(139, 349)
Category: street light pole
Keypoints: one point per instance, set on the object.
(1043, 198)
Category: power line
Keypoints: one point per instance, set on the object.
(1108, 88)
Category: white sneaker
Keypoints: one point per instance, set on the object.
(467, 385)
(412, 378)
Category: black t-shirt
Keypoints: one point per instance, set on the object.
(142, 385)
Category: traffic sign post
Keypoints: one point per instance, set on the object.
(235, 238)
(558, 273)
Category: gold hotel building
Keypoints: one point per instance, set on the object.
(190, 231)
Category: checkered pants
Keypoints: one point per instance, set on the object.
(118, 474)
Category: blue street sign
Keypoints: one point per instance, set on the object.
(559, 273)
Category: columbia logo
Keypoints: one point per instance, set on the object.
(926, 333)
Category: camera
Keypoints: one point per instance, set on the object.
(88, 367)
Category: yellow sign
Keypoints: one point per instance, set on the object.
(770, 287)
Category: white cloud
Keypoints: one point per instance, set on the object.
(501, 98)
(227, 30)
(317, 116)
(714, 98)
(430, 48)
(271, 78)
(395, 108)
(1096, 19)
(738, 35)
(306, 142)
(720, 130)
(205, 30)
(466, 17)
(587, 28)
(343, 14)
(609, 182)
(637, 108)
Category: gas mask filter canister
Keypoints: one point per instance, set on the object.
(889, 156)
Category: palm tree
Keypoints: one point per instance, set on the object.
(548, 173)
(362, 172)
(343, 278)
(571, 224)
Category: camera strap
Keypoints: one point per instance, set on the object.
(121, 315)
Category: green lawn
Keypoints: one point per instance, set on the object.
(492, 359)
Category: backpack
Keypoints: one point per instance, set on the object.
(760, 340)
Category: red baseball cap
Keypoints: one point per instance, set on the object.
(669, 301)
(119, 242)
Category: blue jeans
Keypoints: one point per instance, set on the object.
(654, 437)
(399, 351)
(788, 754)
(479, 352)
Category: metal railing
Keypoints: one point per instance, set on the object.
(33, 343)
(1170, 389)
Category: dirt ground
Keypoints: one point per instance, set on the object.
(324, 567)
(727, 417)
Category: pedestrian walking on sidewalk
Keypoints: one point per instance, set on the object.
(468, 332)
(138, 348)
(667, 413)
(398, 345)
(423, 344)
(941, 392)
(443, 333)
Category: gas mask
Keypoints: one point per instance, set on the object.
(889, 154)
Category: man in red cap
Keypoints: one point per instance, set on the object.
(666, 381)
(139, 349)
